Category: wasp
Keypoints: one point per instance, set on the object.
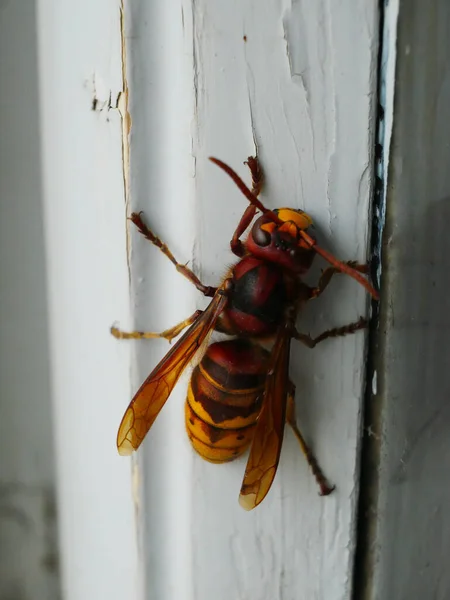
(240, 394)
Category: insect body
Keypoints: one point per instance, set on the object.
(240, 393)
(224, 399)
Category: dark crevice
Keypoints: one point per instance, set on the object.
(365, 557)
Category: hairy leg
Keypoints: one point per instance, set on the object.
(167, 334)
(329, 333)
(325, 487)
(328, 273)
(183, 269)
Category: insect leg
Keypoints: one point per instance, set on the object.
(328, 273)
(183, 269)
(335, 332)
(237, 247)
(325, 487)
(168, 334)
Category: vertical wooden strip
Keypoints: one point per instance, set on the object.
(80, 68)
(28, 536)
(299, 89)
(296, 82)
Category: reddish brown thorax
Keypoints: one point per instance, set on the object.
(258, 300)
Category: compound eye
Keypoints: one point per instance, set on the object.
(260, 237)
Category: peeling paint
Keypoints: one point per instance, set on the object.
(251, 96)
(296, 52)
(195, 60)
(101, 95)
(331, 136)
(122, 106)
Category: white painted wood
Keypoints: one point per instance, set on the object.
(302, 88)
(80, 68)
(28, 544)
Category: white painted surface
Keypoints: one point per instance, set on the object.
(302, 87)
(28, 545)
(84, 206)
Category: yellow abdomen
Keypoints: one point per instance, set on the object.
(224, 399)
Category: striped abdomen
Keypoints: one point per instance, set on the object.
(224, 399)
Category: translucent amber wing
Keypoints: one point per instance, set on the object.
(266, 447)
(153, 393)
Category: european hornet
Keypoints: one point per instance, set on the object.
(240, 393)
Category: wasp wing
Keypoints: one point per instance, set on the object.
(153, 393)
(266, 446)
